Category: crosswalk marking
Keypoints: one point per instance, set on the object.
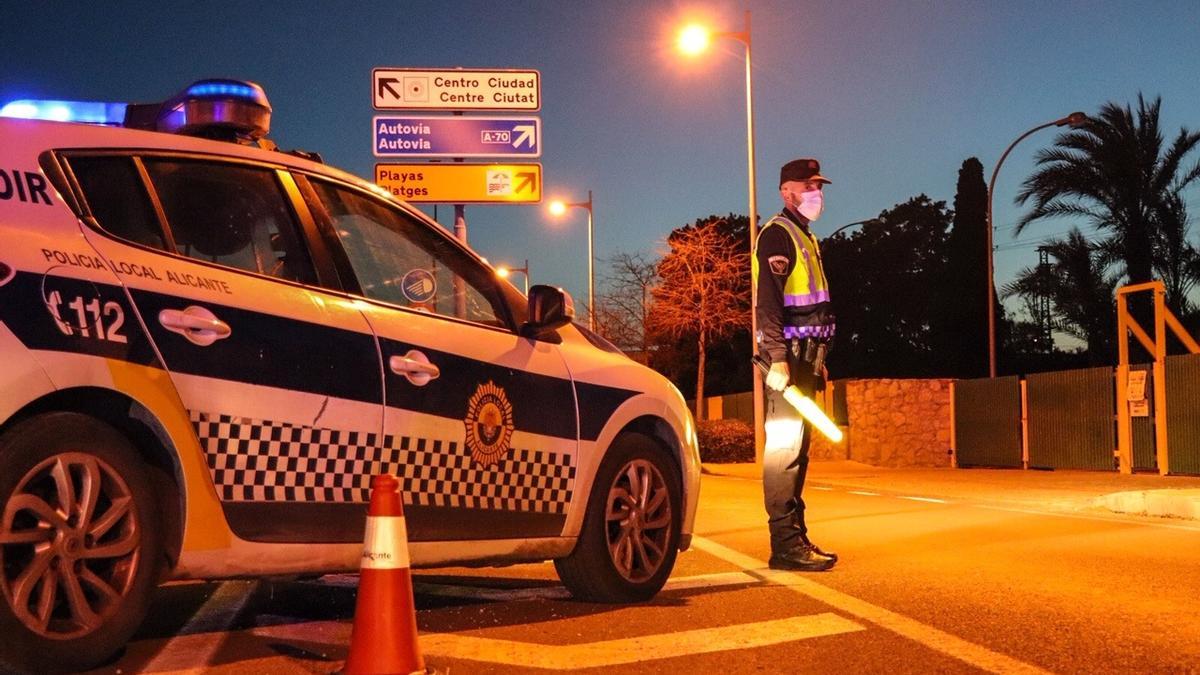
(637, 649)
(939, 640)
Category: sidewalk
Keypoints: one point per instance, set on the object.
(1141, 494)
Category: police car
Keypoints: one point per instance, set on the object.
(210, 346)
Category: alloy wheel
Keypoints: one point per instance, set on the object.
(638, 518)
(69, 551)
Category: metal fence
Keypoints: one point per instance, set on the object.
(1071, 419)
(1183, 413)
(739, 406)
(987, 422)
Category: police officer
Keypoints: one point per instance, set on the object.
(794, 317)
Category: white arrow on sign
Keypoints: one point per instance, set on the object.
(524, 135)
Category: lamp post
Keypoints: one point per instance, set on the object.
(1074, 120)
(849, 225)
(504, 272)
(558, 208)
(693, 40)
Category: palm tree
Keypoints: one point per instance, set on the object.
(1080, 287)
(1115, 173)
(1176, 260)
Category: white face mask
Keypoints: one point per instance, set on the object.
(811, 203)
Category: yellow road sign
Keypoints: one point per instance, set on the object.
(462, 183)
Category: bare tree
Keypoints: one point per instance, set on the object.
(623, 305)
(698, 293)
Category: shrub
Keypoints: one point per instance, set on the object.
(725, 441)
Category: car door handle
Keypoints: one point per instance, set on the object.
(198, 325)
(415, 367)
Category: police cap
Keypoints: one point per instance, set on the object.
(801, 170)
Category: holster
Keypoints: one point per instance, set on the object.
(800, 370)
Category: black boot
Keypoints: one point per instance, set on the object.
(802, 557)
(816, 548)
(798, 523)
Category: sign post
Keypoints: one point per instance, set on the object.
(458, 90)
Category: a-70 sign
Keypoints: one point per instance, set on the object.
(431, 136)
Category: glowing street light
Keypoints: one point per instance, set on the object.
(558, 208)
(504, 272)
(693, 40)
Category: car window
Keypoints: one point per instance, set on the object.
(117, 198)
(231, 215)
(400, 260)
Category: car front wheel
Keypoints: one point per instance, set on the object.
(80, 543)
(630, 534)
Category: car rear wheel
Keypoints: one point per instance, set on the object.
(630, 534)
(80, 543)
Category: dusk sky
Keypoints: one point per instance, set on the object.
(890, 96)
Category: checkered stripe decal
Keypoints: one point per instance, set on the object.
(265, 461)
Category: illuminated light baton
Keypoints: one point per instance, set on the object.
(805, 406)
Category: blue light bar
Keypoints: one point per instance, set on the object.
(86, 112)
(215, 89)
(225, 89)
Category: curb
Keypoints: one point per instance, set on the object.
(1184, 504)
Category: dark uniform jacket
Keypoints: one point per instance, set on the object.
(776, 255)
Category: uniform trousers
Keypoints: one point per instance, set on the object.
(785, 457)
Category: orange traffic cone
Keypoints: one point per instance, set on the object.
(384, 637)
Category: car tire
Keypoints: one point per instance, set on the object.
(74, 588)
(630, 533)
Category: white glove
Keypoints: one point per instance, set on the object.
(777, 377)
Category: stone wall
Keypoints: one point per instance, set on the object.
(893, 423)
(899, 422)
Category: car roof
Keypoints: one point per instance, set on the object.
(75, 135)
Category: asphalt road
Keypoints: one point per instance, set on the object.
(923, 586)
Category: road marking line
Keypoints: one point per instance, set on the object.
(710, 581)
(930, 500)
(205, 632)
(821, 487)
(559, 593)
(638, 649)
(194, 654)
(863, 493)
(938, 640)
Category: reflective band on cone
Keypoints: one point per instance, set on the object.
(386, 544)
(384, 637)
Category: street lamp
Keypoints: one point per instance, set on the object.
(558, 208)
(693, 40)
(504, 272)
(849, 225)
(1074, 120)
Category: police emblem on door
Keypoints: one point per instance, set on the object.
(489, 424)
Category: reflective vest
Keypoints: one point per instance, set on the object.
(805, 286)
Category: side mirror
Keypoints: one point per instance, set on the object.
(550, 308)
